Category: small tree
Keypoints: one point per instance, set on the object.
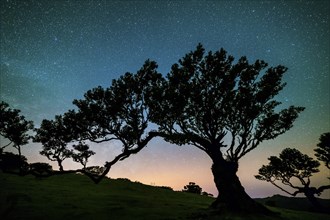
(322, 151)
(192, 188)
(15, 128)
(83, 153)
(292, 165)
(54, 136)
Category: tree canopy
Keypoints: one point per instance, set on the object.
(216, 105)
(54, 136)
(322, 151)
(14, 126)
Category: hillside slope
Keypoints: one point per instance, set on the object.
(76, 197)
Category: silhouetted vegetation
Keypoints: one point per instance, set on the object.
(54, 136)
(226, 110)
(83, 153)
(41, 168)
(223, 108)
(14, 127)
(322, 151)
(192, 188)
(13, 163)
(290, 165)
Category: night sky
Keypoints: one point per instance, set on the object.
(54, 51)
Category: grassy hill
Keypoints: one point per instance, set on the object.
(76, 197)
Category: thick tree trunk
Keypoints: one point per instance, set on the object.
(232, 196)
(310, 195)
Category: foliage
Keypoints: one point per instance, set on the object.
(192, 188)
(119, 112)
(207, 97)
(222, 108)
(40, 168)
(10, 162)
(292, 164)
(83, 153)
(14, 127)
(54, 136)
(322, 151)
(225, 109)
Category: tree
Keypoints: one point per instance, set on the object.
(40, 168)
(192, 188)
(54, 136)
(119, 113)
(15, 128)
(83, 153)
(11, 163)
(289, 166)
(322, 151)
(226, 110)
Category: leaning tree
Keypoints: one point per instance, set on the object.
(293, 169)
(15, 128)
(226, 110)
(119, 113)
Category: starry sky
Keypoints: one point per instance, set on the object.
(52, 52)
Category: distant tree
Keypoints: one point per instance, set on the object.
(192, 188)
(119, 113)
(54, 136)
(289, 166)
(322, 151)
(14, 127)
(83, 153)
(40, 168)
(226, 110)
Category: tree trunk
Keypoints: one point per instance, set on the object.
(59, 162)
(310, 195)
(20, 164)
(232, 196)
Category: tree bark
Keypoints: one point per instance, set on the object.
(232, 196)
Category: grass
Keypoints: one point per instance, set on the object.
(76, 197)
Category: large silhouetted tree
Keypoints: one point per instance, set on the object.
(292, 165)
(226, 110)
(15, 128)
(322, 151)
(119, 113)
